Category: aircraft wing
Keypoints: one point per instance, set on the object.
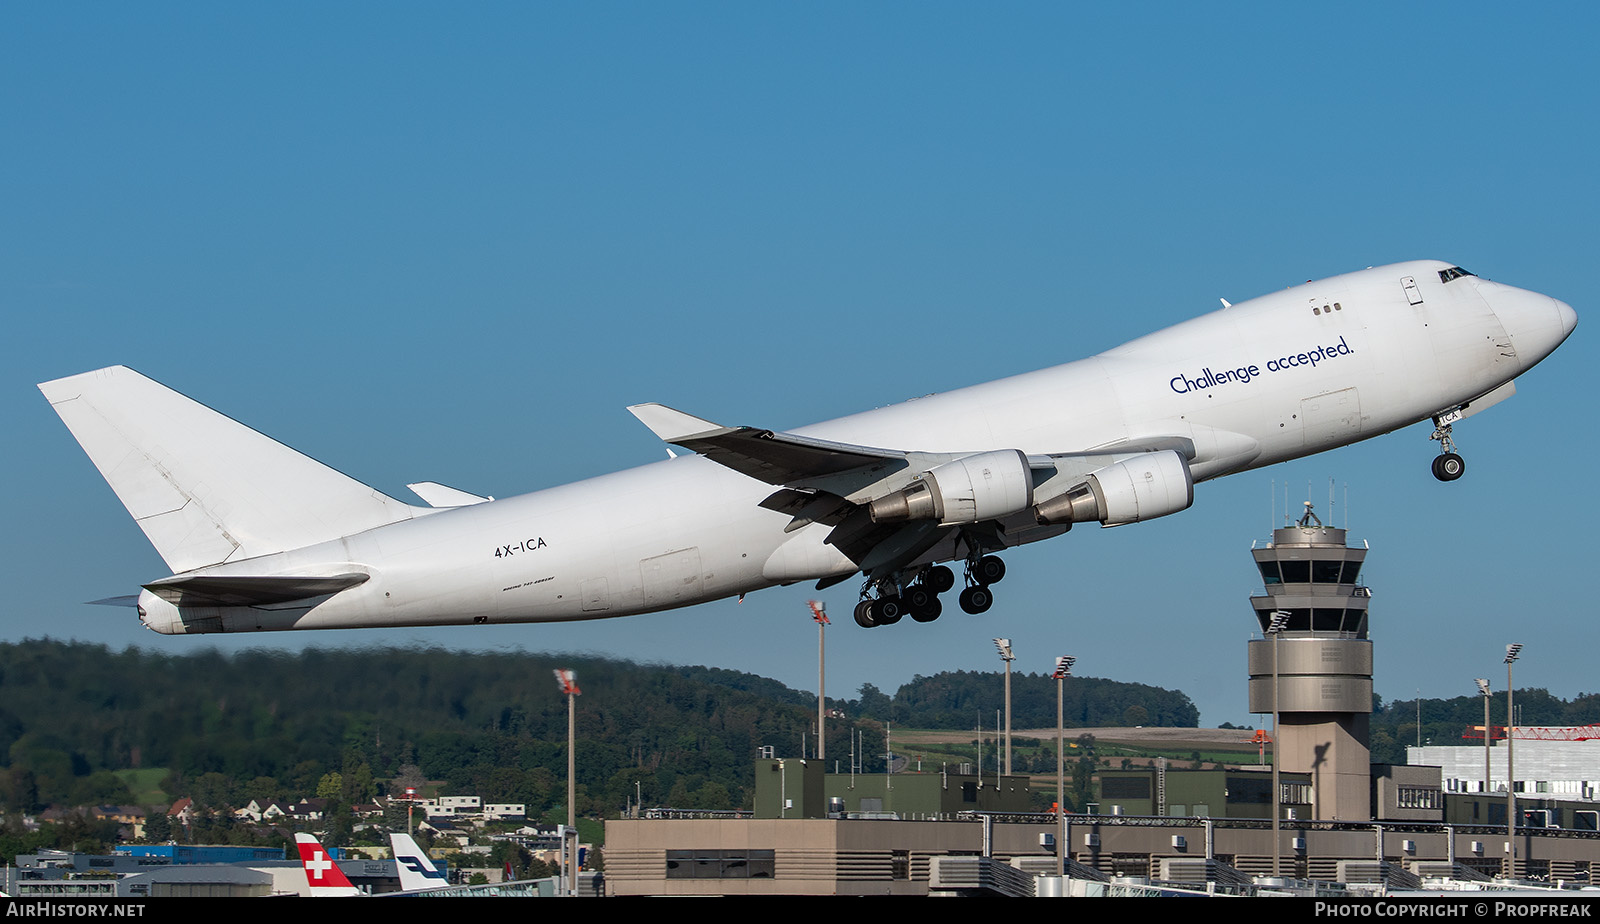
(829, 482)
(796, 461)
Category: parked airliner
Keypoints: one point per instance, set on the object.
(260, 537)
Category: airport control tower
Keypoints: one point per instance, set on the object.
(1324, 663)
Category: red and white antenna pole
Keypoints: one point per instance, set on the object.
(819, 612)
(568, 682)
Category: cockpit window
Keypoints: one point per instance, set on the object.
(1454, 272)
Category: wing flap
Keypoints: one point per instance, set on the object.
(831, 483)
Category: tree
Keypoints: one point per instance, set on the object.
(21, 791)
(157, 827)
(409, 777)
(1082, 780)
(331, 786)
(357, 786)
(873, 702)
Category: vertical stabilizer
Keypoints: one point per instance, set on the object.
(324, 879)
(417, 872)
(205, 488)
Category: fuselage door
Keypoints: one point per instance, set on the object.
(672, 579)
(1413, 294)
(596, 594)
(1332, 419)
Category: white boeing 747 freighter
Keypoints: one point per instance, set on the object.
(260, 537)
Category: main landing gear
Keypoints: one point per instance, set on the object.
(885, 602)
(981, 572)
(1447, 466)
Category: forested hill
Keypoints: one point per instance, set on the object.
(1446, 721)
(266, 724)
(962, 699)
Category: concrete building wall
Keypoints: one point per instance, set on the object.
(795, 788)
(1405, 793)
(862, 857)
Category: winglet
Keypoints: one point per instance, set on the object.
(673, 426)
(442, 495)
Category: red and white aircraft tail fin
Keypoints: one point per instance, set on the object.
(322, 874)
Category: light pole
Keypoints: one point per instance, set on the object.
(1280, 618)
(1063, 670)
(819, 612)
(1003, 645)
(568, 682)
(1511, 770)
(1483, 688)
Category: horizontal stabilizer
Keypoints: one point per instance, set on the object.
(205, 488)
(235, 590)
(440, 495)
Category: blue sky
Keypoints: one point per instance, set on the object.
(421, 242)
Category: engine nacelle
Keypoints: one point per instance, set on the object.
(982, 486)
(1141, 488)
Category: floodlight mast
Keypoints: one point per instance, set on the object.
(1483, 690)
(819, 613)
(567, 681)
(1062, 671)
(1512, 651)
(1003, 645)
(1280, 619)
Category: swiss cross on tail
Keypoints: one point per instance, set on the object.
(323, 876)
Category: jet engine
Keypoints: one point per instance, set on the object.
(1141, 488)
(982, 486)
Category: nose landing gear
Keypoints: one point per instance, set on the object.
(1447, 466)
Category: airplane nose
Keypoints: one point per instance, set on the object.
(1569, 318)
(1537, 323)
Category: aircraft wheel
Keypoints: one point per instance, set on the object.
(930, 612)
(1449, 467)
(989, 570)
(976, 600)
(918, 597)
(864, 614)
(888, 610)
(940, 579)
